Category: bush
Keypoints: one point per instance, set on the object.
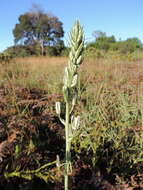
(106, 44)
(20, 51)
(111, 140)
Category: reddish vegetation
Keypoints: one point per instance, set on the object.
(29, 114)
(39, 124)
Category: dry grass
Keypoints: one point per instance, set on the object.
(40, 72)
(42, 63)
(111, 103)
(47, 72)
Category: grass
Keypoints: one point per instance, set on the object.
(111, 107)
(35, 72)
(46, 72)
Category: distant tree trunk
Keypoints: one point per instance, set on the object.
(42, 47)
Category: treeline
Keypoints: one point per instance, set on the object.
(100, 46)
(34, 50)
(41, 34)
(109, 43)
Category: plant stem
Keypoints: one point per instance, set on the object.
(67, 146)
(70, 81)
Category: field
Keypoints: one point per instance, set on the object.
(107, 153)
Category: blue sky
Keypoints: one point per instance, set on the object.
(122, 18)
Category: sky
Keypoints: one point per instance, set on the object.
(122, 18)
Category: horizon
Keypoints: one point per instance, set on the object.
(121, 19)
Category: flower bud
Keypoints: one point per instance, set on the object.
(76, 123)
(79, 60)
(58, 164)
(58, 108)
(74, 81)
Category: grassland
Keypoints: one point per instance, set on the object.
(108, 152)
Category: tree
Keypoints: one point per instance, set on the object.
(97, 33)
(104, 42)
(36, 27)
(130, 45)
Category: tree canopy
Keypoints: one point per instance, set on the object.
(104, 42)
(38, 28)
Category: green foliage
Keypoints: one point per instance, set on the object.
(42, 172)
(70, 83)
(54, 50)
(65, 52)
(5, 57)
(111, 137)
(37, 27)
(102, 42)
(106, 44)
(128, 46)
(34, 50)
(21, 51)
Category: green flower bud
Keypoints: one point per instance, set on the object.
(75, 123)
(74, 81)
(58, 108)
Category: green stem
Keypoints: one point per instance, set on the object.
(67, 156)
